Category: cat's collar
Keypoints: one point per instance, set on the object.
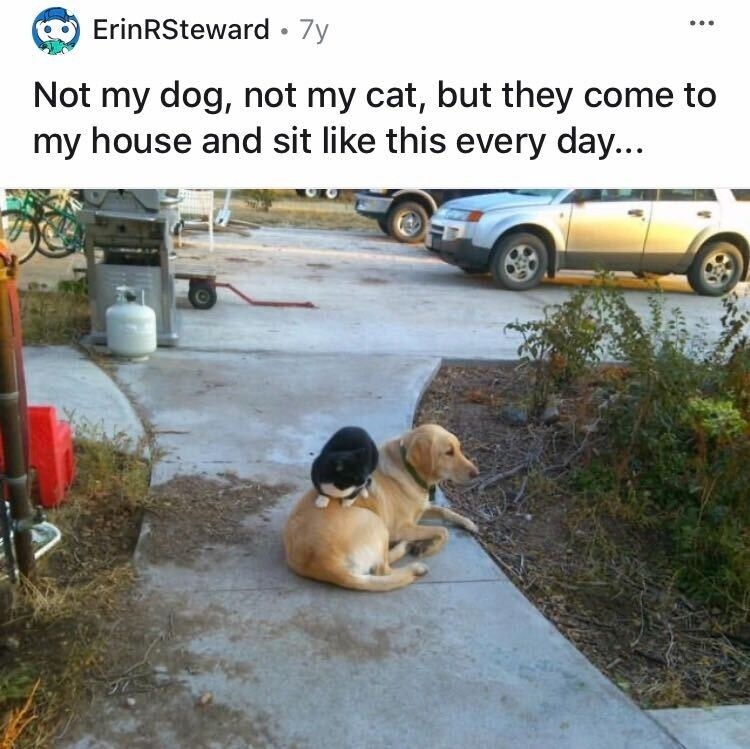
(353, 494)
(430, 489)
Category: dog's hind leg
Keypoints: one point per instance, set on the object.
(397, 578)
(428, 539)
(400, 550)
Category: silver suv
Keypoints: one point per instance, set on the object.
(519, 236)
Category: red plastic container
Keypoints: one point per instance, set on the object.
(50, 455)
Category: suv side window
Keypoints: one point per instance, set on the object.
(742, 194)
(686, 194)
(609, 196)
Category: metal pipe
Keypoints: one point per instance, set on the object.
(12, 430)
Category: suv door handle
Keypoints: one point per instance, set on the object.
(635, 212)
(704, 214)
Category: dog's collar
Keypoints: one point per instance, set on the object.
(353, 495)
(413, 473)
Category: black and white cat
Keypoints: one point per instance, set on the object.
(344, 466)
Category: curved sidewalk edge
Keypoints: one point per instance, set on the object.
(82, 393)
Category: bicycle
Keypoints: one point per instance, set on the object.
(20, 227)
(62, 232)
(55, 218)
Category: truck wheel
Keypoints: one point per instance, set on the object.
(716, 269)
(201, 294)
(407, 222)
(331, 193)
(519, 262)
(309, 193)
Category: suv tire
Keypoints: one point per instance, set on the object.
(716, 269)
(519, 262)
(407, 222)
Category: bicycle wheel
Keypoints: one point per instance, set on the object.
(21, 234)
(62, 234)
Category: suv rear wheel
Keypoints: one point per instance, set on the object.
(407, 222)
(716, 269)
(519, 262)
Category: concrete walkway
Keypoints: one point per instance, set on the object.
(708, 728)
(81, 391)
(459, 659)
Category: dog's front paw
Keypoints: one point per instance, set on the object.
(470, 526)
(418, 548)
(348, 502)
(321, 501)
(419, 569)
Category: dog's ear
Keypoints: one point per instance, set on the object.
(420, 454)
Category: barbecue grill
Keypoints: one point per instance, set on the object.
(129, 243)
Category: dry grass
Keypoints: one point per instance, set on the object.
(18, 721)
(54, 317)
(58, 628)
(289, 210)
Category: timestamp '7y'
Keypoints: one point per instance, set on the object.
(314, 31)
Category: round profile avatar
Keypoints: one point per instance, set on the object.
(55, 31)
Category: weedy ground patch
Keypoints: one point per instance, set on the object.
(614, 495)
(55, 638)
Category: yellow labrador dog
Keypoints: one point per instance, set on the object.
(351, 546)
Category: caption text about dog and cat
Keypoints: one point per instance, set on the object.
(346, 136)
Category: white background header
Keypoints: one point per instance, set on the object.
(519, 57)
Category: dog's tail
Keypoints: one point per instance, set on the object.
(394, 578)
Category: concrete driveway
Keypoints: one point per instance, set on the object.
(372, 295)
(377, 296)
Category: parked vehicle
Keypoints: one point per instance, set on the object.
(404, 214)
(519, 236)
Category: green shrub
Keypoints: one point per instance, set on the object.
(677, 426)
(563, 346)
(261, 200)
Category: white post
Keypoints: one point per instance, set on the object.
(223, 216)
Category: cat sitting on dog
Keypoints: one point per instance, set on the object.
(343, 468)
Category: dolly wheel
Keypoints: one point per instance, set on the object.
(201, 294)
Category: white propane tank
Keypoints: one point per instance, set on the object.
(131, 327)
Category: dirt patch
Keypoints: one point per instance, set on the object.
(85, 637)
(190, 512)
(373, 280)
(236, 260)
(606, 583)
(148, 674)
(319, 266)
(336, 639)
